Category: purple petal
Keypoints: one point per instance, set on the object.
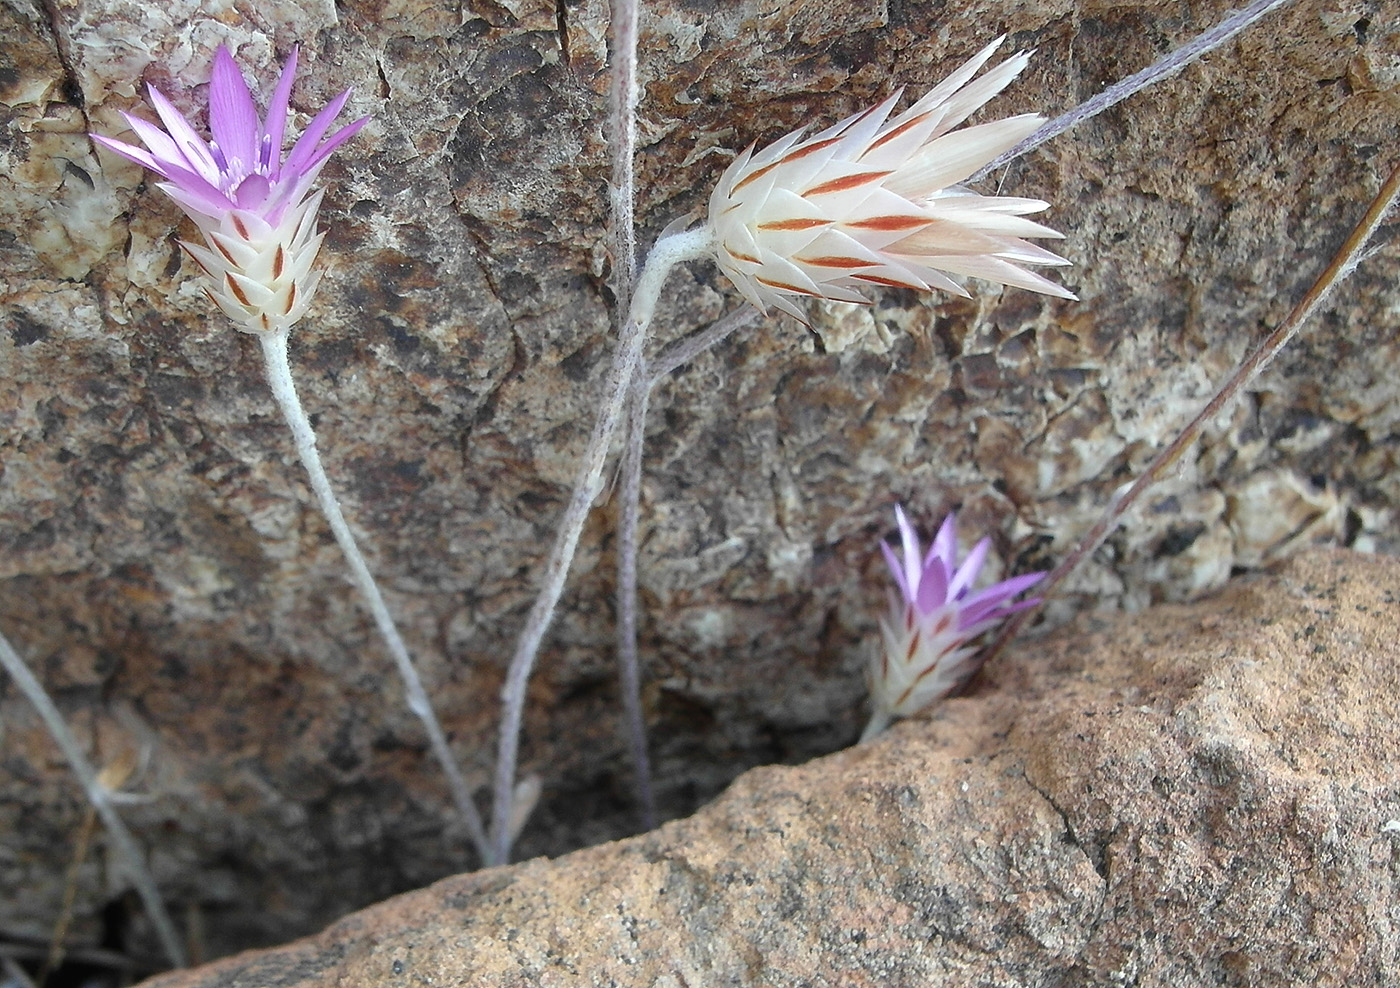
(897, 569)
(969, 569)
(162, 147)
(334, 141)
(985, 601)
(141, 156)
(276, 126)
(910, 538)
(933, 586)
(193, 147)
(195, 196)
(251, 192)
(305, 148)
(945, 543)
(987, 614)
(233, 119)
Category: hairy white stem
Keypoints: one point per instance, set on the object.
(1166, 66)
(127, 852)
(879, 720)
(279, 378)
(668, 252)
(629, 665)
(622, 136)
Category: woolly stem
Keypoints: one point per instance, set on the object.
(279, 378)
(629, 671)
(1342, 264)
(622, 136)
(622, 105)
(879, 720)
(668, 252)
(1170, 64)
(686, 350)
(127, 851)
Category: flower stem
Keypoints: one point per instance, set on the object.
(1342, 264)
(668, 252)
(279, 378)
(127, 851)
(1168, 65)
(629, 671)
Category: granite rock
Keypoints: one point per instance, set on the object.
(164, 571)
(1197, 795)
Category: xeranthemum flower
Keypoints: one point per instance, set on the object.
(875, 201)
(926, 637)
(255, 208)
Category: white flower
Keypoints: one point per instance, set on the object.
(875, 201)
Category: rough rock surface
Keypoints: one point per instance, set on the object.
(164, 572)
(1198, 795)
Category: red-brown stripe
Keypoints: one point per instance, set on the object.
(810, 149)
(928, 669)
(238, 225)
(788, 288)
(754, 175)
(913, 647)
(186, 248)
(224, 251)
(849, 182)
(237, 292)
(291, 300)
(278, 261)
(741, 257)
(834, 262)
(890, 224)
(875, 279)
(794, 224)
(896, 132)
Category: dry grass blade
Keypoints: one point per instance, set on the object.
(1342, 264)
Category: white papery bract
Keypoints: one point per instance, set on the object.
(927, 637)
(876, 201)
(256, 209)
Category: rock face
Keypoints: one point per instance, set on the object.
(162, 567)
(1198, 795)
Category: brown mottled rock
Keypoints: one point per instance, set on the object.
(1196, 795)
(164, 571)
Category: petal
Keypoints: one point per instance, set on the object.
(186, 139)
(233, 118)
(276, 126)
(897, 569)
(945, 544)
(305, 148)
(933, 586)
(969, 569)
(910, 539)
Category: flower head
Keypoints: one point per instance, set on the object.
(925, 638)
(875, 201)
(254, 206)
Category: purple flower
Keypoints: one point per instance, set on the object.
(926, 651)
(255, 208)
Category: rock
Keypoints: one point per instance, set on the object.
(1195, 795)
(164, 571)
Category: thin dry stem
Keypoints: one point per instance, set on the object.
(622, 105)
(1341, 265)
(127, 853)
(622, 140)
(629, 664)
(1165, 67)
